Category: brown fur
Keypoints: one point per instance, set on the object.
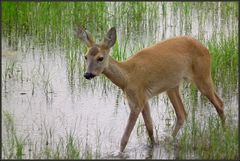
(158, 68)
(93, 51)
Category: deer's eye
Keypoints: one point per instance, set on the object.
(85, 57)
(100, 59)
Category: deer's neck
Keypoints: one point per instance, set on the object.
(116, 73)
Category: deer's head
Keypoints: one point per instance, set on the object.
(97, 56)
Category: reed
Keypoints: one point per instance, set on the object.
(50, 25)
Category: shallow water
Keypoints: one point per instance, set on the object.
(50, 100)
(42, 100)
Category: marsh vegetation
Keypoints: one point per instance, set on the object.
(50, 111)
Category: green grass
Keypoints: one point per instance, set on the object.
(51, 24)
(210, 141)
(16, 146)
(224, 55)
(205, 139)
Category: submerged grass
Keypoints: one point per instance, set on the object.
(52, 23)
(210, 141)
(13, 147)
(69, 146)
(205, 140)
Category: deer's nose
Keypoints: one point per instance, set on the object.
(89, 75)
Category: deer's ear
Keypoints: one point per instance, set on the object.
(110, 38)
(85, 36)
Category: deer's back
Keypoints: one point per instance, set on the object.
(166, 63)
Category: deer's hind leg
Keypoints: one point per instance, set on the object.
(203, 80)
(181, 114)
(205, 85)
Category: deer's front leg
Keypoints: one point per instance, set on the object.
(136, 101)
(148, 121)
(131, 122)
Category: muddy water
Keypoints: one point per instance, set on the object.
(49, 101)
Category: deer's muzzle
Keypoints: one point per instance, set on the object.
(89, 75)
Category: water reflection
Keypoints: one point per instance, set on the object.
(44, 87)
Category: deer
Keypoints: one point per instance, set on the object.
(158, 68)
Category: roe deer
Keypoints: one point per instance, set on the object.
(155, 69)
